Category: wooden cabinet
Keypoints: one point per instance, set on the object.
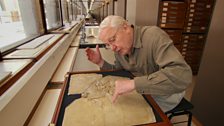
(172, 14)
(176, 36)
(198, 16)
(187, 23)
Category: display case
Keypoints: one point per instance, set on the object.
(65, 99)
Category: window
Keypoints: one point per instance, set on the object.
(18, 22)
(52, 14)
(11, 25)
(65, 11)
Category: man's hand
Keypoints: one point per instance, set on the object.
(123, 87)
(95, 56)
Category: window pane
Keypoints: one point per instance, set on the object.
(11, 25)
(52, 13)
(19, 22)
(65, 12)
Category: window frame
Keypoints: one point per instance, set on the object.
(44, 17)
(12, 47)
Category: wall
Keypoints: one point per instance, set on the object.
(142, 12)
(147, 12)
(138, 12)
(209, 90)
(29, 17)
(120, 8)
(131, 11)
(110, 10)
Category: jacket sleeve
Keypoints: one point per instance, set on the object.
(173, 75)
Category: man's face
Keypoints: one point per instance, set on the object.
(118, 39)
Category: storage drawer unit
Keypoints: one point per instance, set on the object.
(176, 36)
(187, 23)
(198, 16)
(172, 14)
(192, 48)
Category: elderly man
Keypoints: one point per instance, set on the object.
(150, 55)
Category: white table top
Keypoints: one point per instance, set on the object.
(83, 64)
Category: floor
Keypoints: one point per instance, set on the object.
(188, 96)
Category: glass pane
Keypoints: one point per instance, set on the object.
(11, 25)
(52, 13)
(65, 12)
(19, 22)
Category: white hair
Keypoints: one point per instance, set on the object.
(112, 21)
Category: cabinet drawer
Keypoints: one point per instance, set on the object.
(175, 35)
